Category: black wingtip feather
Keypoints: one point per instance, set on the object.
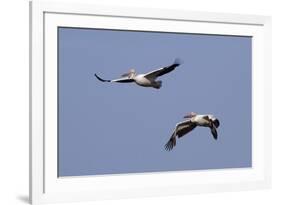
(178, 61)
(170, 144)
(100, 79)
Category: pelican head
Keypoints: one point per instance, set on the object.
(190, 115)
(132, 73)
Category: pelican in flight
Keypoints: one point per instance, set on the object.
(191, 121)
(147, 79)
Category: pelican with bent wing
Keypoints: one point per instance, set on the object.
(147, 79)
(192, 121)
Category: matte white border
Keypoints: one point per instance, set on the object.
(44, 184)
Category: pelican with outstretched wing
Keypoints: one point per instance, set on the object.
(147, 79)
(192, 120)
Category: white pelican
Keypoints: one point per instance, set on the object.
(193, 120)
(147, 79)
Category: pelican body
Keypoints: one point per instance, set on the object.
(144, 80)
(191, 121)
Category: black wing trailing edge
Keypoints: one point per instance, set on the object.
(100, 79)
(170, 68)
(119, 80)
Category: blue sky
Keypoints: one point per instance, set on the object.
(107, 128)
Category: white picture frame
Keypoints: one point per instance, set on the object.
(46, 187)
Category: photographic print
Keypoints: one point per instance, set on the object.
(143, 101)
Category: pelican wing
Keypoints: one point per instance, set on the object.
(119, 80)
(186, 129)
(162, 71)
(123, 80)
(181, 129)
